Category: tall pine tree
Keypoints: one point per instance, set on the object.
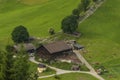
(3, 67)
(20, 68)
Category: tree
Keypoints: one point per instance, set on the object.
(20, 69)
(9, 48)
(80, 7)
(69, 24)
(14, 68)
(76, 12)
(20, 34)
(9, 64)
(95, 1)
(3, 67)
(85, 4)
(6, 62)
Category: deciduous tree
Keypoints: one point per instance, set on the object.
(20, 34)
(85, 4)
(76, 12)
(69, 24)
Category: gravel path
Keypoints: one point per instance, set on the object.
(60, 71)
(91, 11)
(84, 61)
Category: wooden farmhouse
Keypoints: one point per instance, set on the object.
(52, 50)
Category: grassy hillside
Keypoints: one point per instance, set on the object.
(32, 2)
(101, 38)
(100, 31)
(37, 18)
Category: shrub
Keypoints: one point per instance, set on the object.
(51, 31)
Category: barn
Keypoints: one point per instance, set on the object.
(52, 50)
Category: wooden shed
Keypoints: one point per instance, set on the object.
(28, 47)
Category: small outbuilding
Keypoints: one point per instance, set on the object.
(77, 46)
(41, 68)
(28, 47)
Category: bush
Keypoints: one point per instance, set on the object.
(57, 77)
(83, 68)
(51, 31)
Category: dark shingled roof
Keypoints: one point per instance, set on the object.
(26, 46)
(41, 66)
(78, 46)
(57, 47)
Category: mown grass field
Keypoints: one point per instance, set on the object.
(33, 69)
(38, 18)
(100, 31)
(101, 37)
(72, 76)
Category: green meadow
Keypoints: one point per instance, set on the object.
(100, 32)
(38, 18)
(72, 76)
(101, 37)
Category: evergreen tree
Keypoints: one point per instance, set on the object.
(14, 68)
(20, 69)
(9, 62)
(3, 67)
